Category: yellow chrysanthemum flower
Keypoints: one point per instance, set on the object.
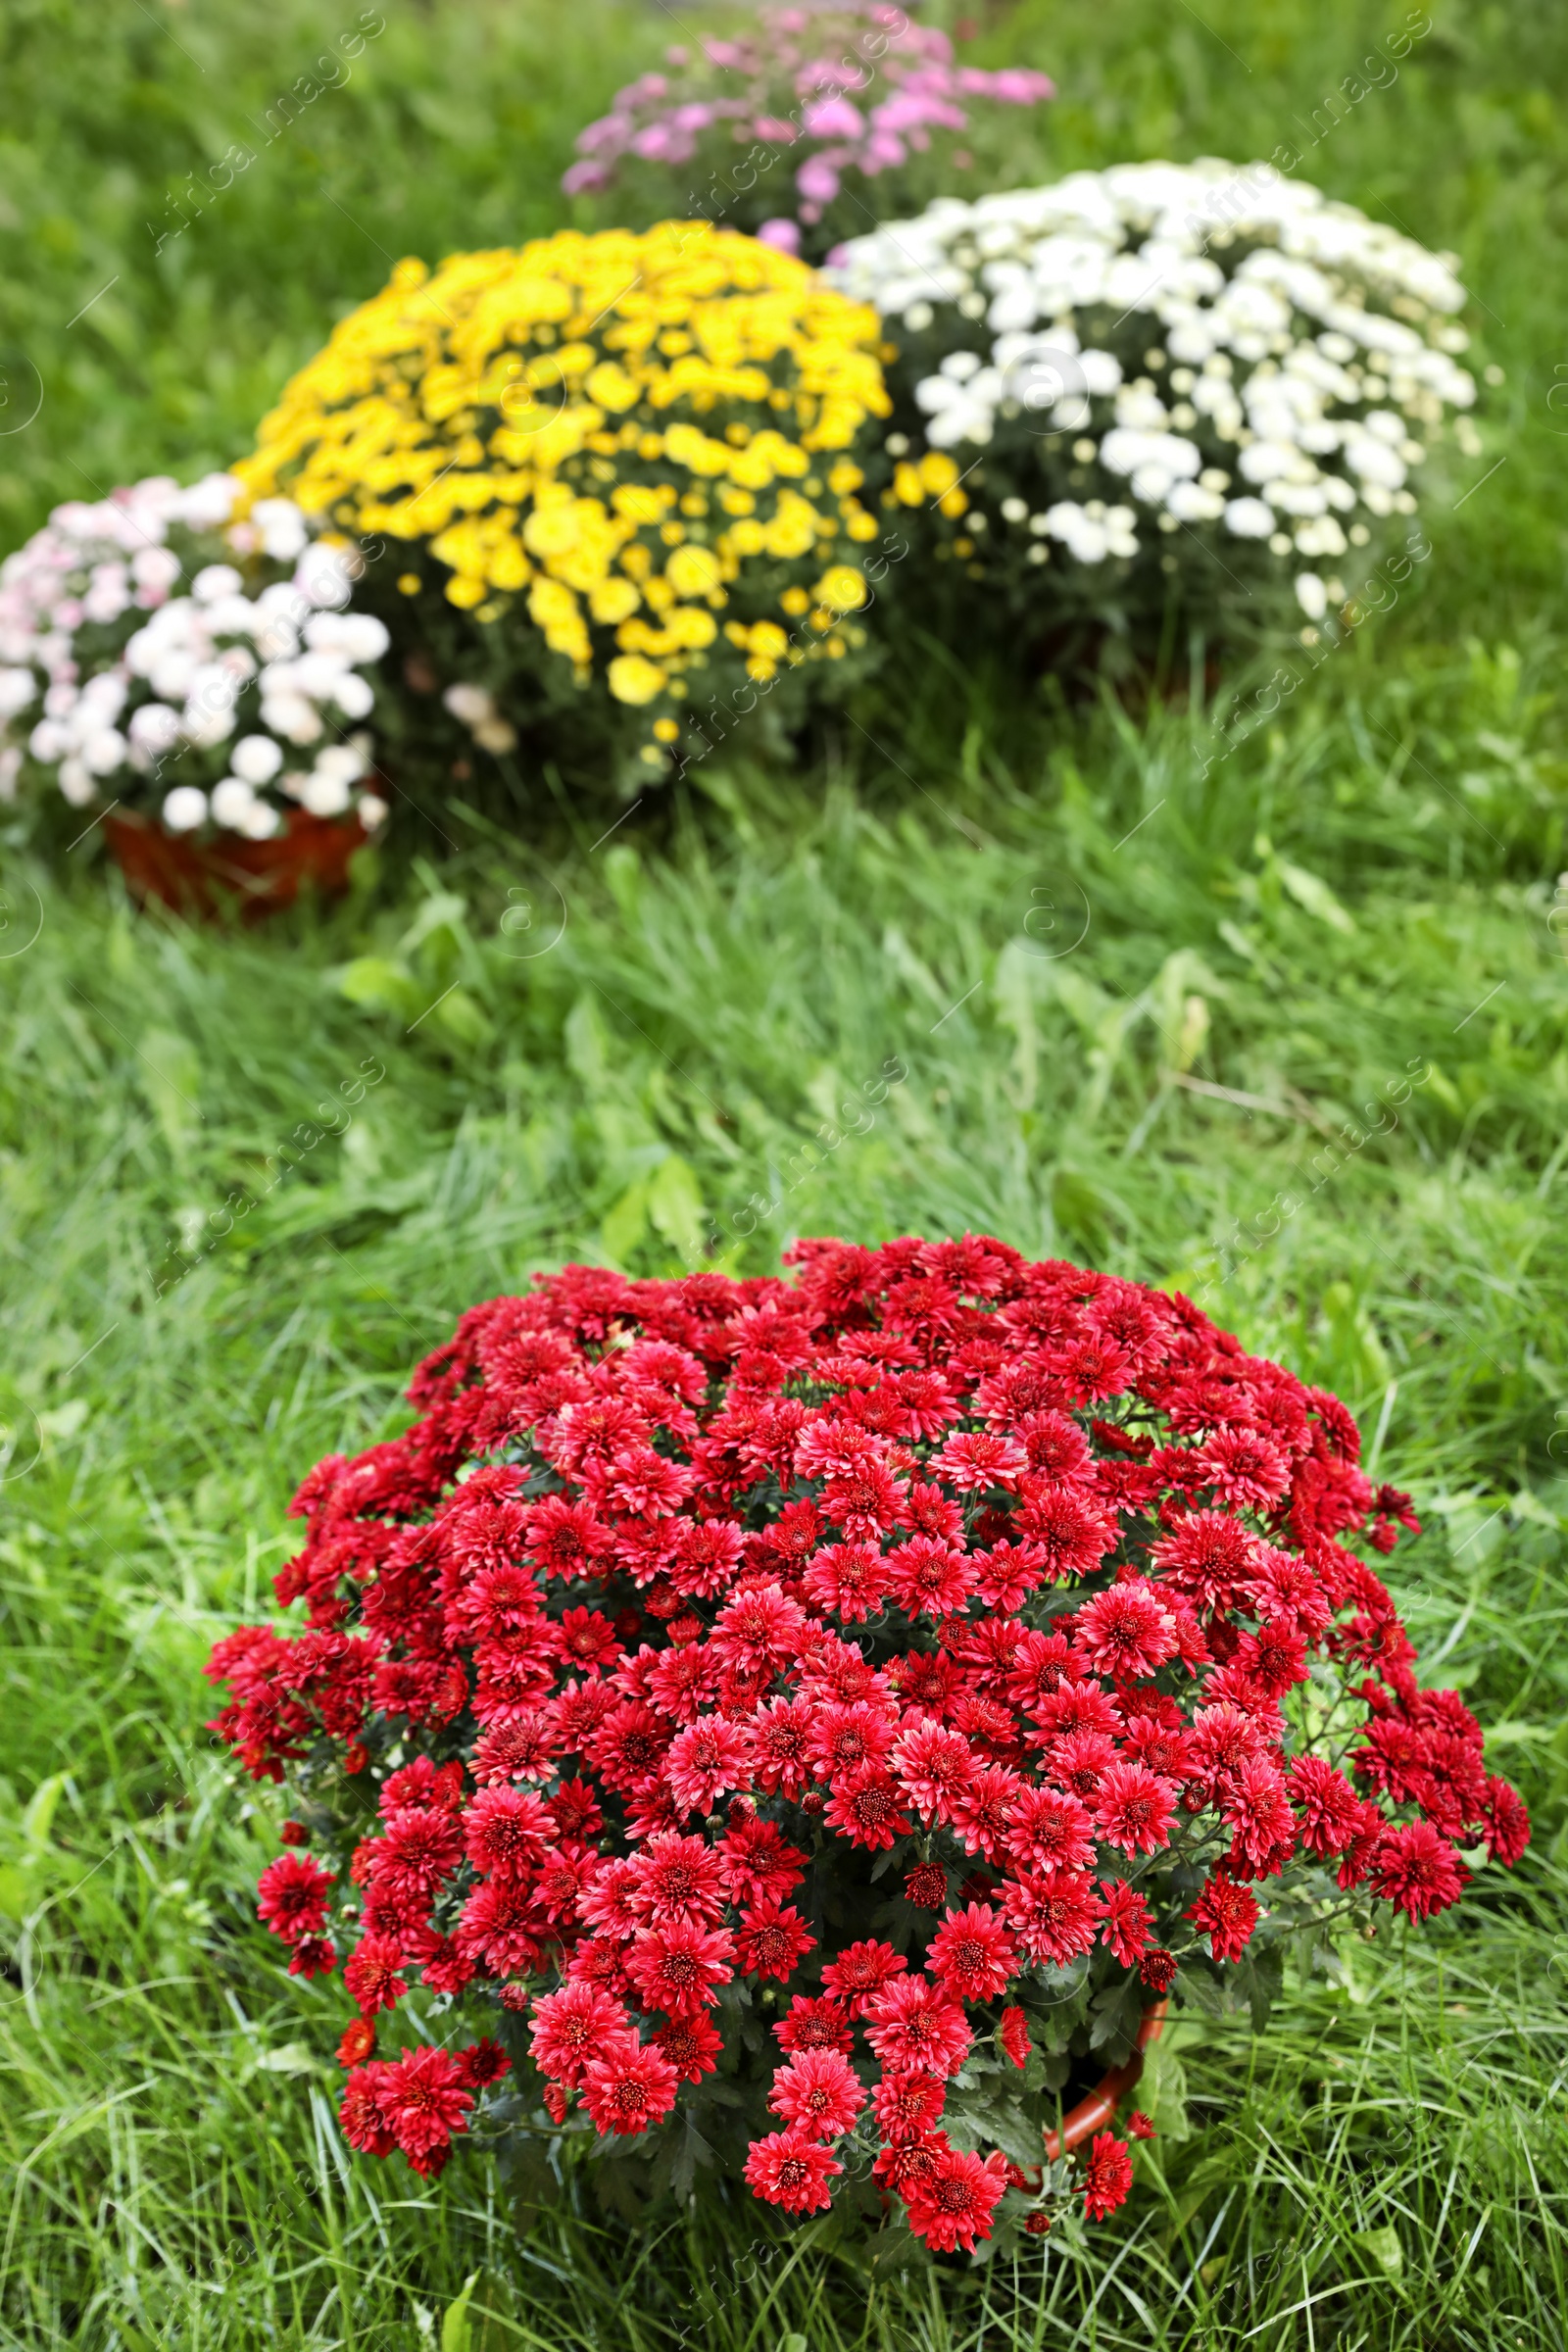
(596, 428)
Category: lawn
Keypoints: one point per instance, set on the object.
(1286, 1028)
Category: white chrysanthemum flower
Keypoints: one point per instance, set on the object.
(1248, 519)
(102, 751)
(283, 528)
(214, 581)
(256, 759)
(155, 570)
(232, 801)
(18, 688)
(354, 696)
(471, 705)
(346, 762)
(322, 575)
(260, 821)
(350, 636)
(290, 716)
(325, 795)
(184, 808)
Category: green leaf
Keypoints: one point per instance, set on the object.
(1008, 2128)
(1383, 2249)
(40, 1812)
(380, 986)
(463, 1017)
(1162, 2091)
(456, 2331)
(1115, 2017)
(1308, 890)
(626, 1224)
(169, 1077)
(289, 2058)
(675, 1207)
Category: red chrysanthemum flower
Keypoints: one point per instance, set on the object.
(482, 2063)
(912, 2024)
(1125, 1633)
(819, 2091)
(1134, 1808)
(972, 1955)
(424, 2099)
(1158, 1969)
(705, 1760)
(680, 1966)
(1417, 1870)
(312, 1956)
(907, 2105)
(1126, 1927)
(573, 2026)
(1014, 2033)
(848, 1579)
(367, 2123)
(691, 2046)
(792, 2170)
(934, 1767)
(1057, 1914)
(1079, 1762)
(372, 1974)
(859, 1971)
(770, 1938)
(926, 1887)
(1051, 1831)
(1108, 2176)
(1257, 1806)
(952, 2206)
(358, 2042)
(1327, 1803)
(1226, 1914)
(293, 1897)
(867, 1808)
(816, 2024)
(1506, 1823)
(930, 1578)
(631, 2087)
(675, 1878)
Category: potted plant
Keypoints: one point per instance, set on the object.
(807, 1727)
(620, 474)
(200, 682)
(801, 127)
(1162, 386)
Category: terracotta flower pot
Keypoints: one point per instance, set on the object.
(1096, 2110)
(198, 876)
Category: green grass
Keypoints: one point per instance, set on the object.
(1363, 889)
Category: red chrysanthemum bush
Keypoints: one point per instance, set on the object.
(809, 1719)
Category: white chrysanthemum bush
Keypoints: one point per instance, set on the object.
(1203, 380)
(160, 654)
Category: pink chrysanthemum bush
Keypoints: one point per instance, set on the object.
(808, 1722)
(804, 124)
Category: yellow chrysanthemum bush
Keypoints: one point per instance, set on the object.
(605, 484)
